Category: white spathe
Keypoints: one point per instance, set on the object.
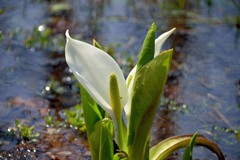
(93, 68)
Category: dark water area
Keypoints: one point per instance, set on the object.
(23, 71)
(203, 89)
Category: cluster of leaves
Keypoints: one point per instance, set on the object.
(173, 105)
(42, 37)
(50, 121)
(74, 117)
(26, 132)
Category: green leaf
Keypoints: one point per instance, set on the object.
(147, 149)
(91, 111)
(96, 44)
(193, 140)
(187, 155)
(26, 132)
(170, 145)
(102, 138)
(121, 155)
(92, 114)
(75, 116)
(147, 51)
(148, 87)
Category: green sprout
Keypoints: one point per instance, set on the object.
(187, 155)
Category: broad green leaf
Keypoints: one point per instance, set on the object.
(131, 76)
(102, 136)
(149, 84)
(92, 114)
(170, 145)
(187, 155)
(148, 48)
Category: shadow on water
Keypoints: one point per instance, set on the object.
(202, 92)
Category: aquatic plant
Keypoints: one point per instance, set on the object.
(122, 110)
(74, 117)
(26, 132)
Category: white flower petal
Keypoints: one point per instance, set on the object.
(160, 40)
(93, 68)
(129, 81)
(94, 93)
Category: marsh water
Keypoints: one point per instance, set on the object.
(202, 92)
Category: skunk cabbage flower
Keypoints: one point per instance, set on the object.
(93, 68)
